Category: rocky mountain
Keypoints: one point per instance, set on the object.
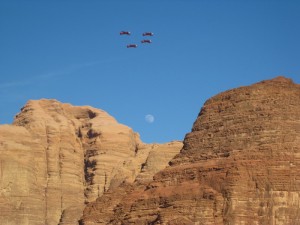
(55, 158)
(240, 165)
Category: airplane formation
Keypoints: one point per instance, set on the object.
(142, 41)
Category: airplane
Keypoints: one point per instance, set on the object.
(148, 34)
(132, 46)
(124, 32)
(146, 41)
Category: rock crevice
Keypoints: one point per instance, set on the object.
(56, 158)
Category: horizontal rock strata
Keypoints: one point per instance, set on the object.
(240, 164)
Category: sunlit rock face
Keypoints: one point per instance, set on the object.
(240, 164)
(22, 177)
(56, 158)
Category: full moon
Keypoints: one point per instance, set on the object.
(149, 118)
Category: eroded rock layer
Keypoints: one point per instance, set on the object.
(56, 157)
(240, 164)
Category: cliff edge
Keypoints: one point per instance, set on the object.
(240, 164)
(55, 158)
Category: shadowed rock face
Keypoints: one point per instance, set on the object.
(56, 157)
(240, 164)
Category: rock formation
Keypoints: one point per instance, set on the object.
(56, 158)
(240, 164)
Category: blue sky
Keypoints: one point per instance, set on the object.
(71, 50)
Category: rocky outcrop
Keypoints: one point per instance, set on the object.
(56, 158)
(22, 177)
(240, 164)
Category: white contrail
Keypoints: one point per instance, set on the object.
(62, 72)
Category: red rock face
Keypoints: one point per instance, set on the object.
(240, 164)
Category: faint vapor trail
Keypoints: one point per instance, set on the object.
(62, 72)
(14, 84)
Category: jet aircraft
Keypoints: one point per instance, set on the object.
(146, 41)
(148, 34)
(124, 32)
(132, 46)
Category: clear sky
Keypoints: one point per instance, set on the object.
(71, 50)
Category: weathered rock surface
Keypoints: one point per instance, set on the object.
(55, 158)
(240, 164)
(22, 177)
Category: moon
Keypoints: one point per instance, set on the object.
(149, 118)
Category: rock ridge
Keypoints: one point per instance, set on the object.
(55, 158)
(240, 164)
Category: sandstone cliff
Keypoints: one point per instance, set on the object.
(240, 164)
(56, 157)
